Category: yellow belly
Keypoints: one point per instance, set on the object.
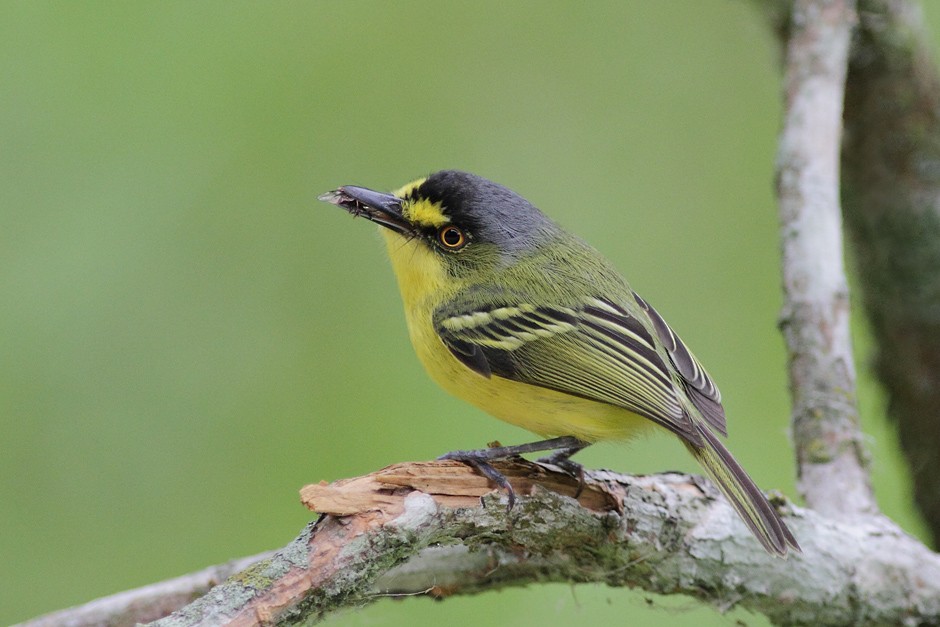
(540, 410)
(537, 409)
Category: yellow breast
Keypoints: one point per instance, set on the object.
(424, 286)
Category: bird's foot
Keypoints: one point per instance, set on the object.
(480, 460)
(562, 459)
(480, 463)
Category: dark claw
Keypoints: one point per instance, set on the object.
(565, 447)
(574, 469)
(484, 468)
(562, 460)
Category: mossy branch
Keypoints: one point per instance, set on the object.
(891, 170)
(890, 186)
(437, 529)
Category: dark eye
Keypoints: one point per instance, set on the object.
(451, 237)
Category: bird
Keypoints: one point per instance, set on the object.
(511, 312)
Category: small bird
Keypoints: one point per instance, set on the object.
(515, 315)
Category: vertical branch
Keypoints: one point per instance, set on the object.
(891, 203)
(831, 460)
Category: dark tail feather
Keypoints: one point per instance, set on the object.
(744, 495)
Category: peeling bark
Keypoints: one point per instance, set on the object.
(422, 529)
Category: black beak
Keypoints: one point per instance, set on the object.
(384, 209)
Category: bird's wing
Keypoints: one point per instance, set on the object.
(702, 390)
(596, 350)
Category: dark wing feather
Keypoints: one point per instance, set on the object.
(610, 356)
(702, 390)
(471, 355)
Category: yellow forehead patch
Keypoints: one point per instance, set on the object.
(421, 212)
(409, 188)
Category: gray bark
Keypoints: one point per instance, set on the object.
(831, 461)
(669, 534)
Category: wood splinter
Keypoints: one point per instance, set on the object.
(449, 483)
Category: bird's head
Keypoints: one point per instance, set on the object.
(456, 222)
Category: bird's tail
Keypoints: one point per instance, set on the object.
(744, 495)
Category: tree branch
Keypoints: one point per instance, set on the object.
(420, 529)
(148, 603)
(832, 464)
(891, 197)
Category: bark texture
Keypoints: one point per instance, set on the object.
(421, 529)
(891, 172)
(832, 464)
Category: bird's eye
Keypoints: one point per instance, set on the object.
(451, 237)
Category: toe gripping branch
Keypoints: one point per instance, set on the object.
(563, 447)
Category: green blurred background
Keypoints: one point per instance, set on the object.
(187, 336)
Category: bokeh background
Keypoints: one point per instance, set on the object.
(187, 336)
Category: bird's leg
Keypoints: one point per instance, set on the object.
(479, 459)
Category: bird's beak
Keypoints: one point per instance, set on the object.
(384, 209)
